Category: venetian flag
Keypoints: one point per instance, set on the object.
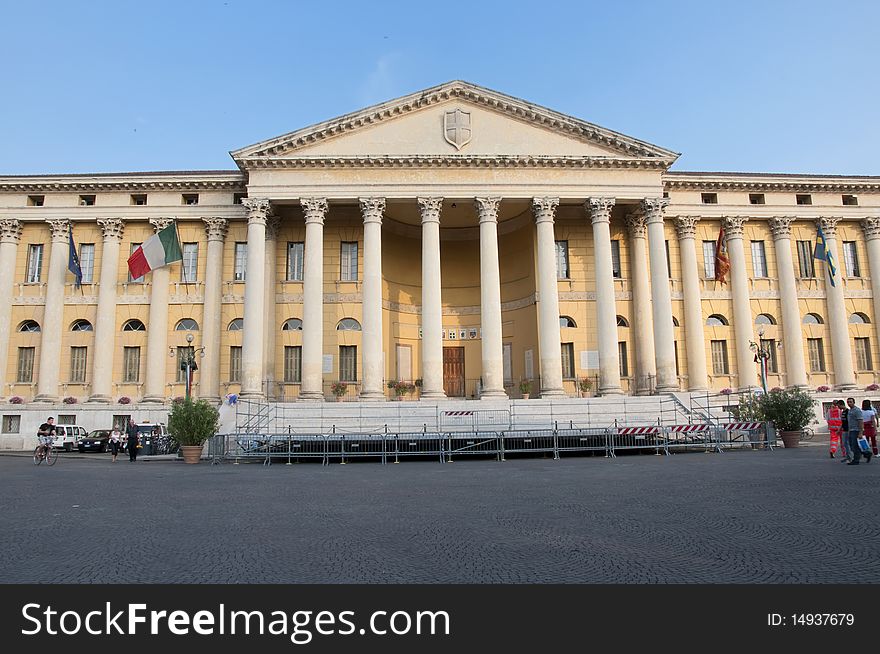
(722, 261)
(155, 252)
(824, 254)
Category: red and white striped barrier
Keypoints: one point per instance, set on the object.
(743, 426)
(688, 428)
(637, 430)
(458, 413)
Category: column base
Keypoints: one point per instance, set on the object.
(668, 389)
(610, 390)
(153, 399)
(494, 394)
(371, 396)
(552, 392)
(98, 399)
(433, 395)
(697, 389)
(46, 399)
(310, 396)
(846, 387)
(255, 396)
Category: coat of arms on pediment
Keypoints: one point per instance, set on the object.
(457, 127)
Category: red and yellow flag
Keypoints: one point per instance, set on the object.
(722, 261)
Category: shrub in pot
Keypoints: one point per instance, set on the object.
(191, 424)
(790, 410)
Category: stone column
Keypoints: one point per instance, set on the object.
(742, 308)
(10, 237)
(792, 332)
(490, 301)
(315, 209)
(661, 299)
(270, 326)
(209, 378)
(105, 323)
(838, 316)
(253, 337)
(53, 316)
(871, 227)
(432, 308)
(549, 338)
(372, 387)
(643, 321)
(606, 306)
(157, 329)
(695, 336)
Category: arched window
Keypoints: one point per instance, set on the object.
(81, 326)
(133, 325)
(292, 325)
(348, 324)
(236, 325)
(764, 319)
(187, 325)
(859, 318)
(565, 321)
(813, 319)
(716, 320)
(675, 322)
(29, 326)
(621, 322)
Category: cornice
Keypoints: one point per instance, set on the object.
(453, 161)
(790, 183)
(235, 182)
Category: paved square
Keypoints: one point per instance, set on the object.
(747, 516)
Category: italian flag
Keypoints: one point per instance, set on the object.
(155, 252)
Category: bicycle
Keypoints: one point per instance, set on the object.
(44, 451)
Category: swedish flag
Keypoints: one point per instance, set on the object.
(823, 253)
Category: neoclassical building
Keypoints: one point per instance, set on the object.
(457, 236)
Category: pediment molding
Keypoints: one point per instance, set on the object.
(453, 161)
(234, 182)
(674, 180)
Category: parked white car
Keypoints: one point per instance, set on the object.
(67, 437)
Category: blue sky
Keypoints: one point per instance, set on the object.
(770, 86)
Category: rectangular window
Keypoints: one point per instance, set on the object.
(805, 259)
(675, 350)
(756, 198)
(183, 353)
(78, 365)
(240, 261)
(36, 200)
(863, 354)
(561, 259)
(348, 363)
(35, 263)
(708, 259)
(624, 361)
(25, 365)
(817, 354)
(668, 261)
(238, 197)
(87, 262)
(850, 200)
(348, 263)
(189, 271)
(235, 364)
(86, 200)
(769, 346)
(759, 259)
(136, 280)
(293, 364)
(806, 198)
(11, 424)
(568, 360)
(709, 198)
(719, 358)
(139, 199)
(295, 259)
(851, 259)
(120, 420)
(190, 198)
(615, 259)
(507, 362)
(66, 419)
(131, 365)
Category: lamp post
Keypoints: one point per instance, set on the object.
(188, 363)
(762, 354)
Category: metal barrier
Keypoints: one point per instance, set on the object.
(483, 443)
(528, 441)
(417, 444)
(689, 437)
(637, 438)
(473, 420)
(744, 435)
(594, 439)
(360, 446)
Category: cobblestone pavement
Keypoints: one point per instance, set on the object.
(749, 516)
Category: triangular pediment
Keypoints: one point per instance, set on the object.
(454, 120)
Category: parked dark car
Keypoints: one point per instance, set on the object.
(96, 441)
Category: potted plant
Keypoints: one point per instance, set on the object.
(872, 387)
(70, 399)
(191, 424)
(584, 386)
(525, 387)
(823, 389)
(16, 399)
(790, 410)
(125, 400)
(338, 389)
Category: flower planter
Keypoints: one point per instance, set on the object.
(790, 438)
(525, 396)
(191, 453)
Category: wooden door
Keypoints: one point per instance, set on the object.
(453, 371)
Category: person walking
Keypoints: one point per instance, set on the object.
(870, 414)
(115, 441)
(855, 427)
(844, 432)
(132, 441)
(835, 426)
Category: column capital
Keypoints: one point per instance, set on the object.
(372, 209)
(259, 209)
(273, 226)
(599, 209)
(160, 223)
(544, 209)
(112, 228)
(215, 228)
(314, 209)
(686, 226)
(653, 209)
(780, 226)
(487, 208)
(871, 225)
(430, 209)
(60, 229)
(636, 224)
(733, 226)
(10, 230)
(828, 225)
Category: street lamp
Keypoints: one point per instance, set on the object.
(188, 362)
(762, 354)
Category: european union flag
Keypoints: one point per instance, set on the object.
(824, 254)
(73, 261)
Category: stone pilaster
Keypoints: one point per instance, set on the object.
(105, 323)
(315, 209)
(53, 316)
(490, 301)
(209, 378)
(10, 236)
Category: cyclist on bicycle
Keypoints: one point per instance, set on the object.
(46, 433)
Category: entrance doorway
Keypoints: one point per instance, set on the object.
(453, 371)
